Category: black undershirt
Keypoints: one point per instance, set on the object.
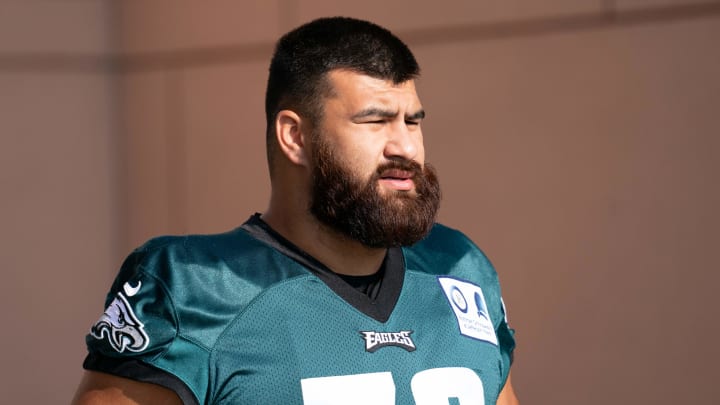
(368, 285)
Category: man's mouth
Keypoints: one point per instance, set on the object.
(397, 179)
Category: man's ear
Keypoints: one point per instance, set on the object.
(291, 138)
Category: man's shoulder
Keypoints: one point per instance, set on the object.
(196, 252)
(199, 244)
(189, 265)
(445, 249)
(445, 231)
(165, 283)
(446, 239)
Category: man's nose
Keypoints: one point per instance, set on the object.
(403, 141)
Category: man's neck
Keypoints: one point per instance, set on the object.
(339, 253)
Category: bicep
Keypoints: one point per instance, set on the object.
(99, 388)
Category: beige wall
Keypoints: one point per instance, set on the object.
(576, 142)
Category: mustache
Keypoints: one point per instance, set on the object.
(406, 165)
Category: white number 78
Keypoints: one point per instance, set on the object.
(429, 387)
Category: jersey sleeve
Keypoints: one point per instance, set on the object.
(506, 341)
(138, 334)
(491, 285)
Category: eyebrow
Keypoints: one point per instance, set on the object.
(420, 114)
(382, 113)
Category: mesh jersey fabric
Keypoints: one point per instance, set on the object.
(231, 318)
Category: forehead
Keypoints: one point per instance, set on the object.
(352, 90)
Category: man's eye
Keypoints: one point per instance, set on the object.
(412, 123)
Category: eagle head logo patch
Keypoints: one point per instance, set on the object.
(120, 327)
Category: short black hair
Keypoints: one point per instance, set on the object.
(304, 56)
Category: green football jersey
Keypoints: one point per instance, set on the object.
(245, 317)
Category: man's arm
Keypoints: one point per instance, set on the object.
(507, 395)
(100, 388)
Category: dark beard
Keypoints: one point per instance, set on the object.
(359, 211)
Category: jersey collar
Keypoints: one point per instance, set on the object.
(379, 308)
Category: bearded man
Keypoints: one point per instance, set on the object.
(344, 290)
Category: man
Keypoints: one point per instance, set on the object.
(343, 291)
